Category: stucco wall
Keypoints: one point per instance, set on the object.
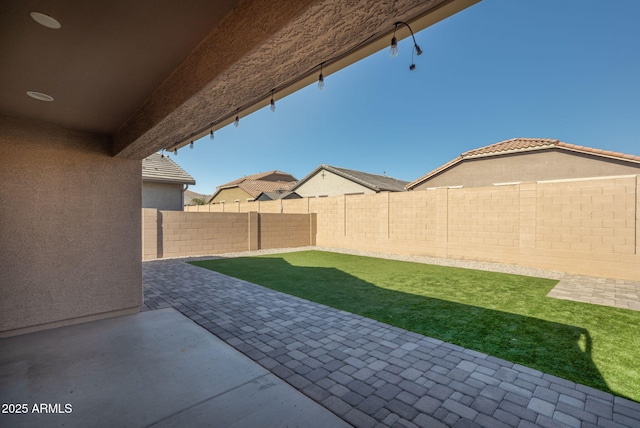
(329, 185)
(533, 166)
(230, 195)
(69, 228)
(163, 196)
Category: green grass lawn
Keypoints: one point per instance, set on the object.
(507, 316)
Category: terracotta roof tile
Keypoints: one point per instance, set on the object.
(255, 184)
(513, 145)
(255, 187)
(265, 176)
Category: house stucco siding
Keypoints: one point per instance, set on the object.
(329, 185)
(230, 195)
(526, 167)
(70, 228)
(163, 196)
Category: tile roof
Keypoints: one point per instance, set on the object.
(161, 169)
(255, 184)
(522, 145)
(279, 194)
(374, 182)
(274, 175)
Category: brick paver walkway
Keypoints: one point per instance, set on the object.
(598, 291)
(372, 374)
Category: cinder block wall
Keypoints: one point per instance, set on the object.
(286, 231)
(582, 226)
(167, 234)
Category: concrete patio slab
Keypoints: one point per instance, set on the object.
(151, 369)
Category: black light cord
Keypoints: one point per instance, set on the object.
(415, 44)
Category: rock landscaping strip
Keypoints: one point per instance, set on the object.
(372, 374)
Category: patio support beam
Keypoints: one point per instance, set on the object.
(263, 45)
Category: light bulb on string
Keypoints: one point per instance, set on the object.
(321, 79)
(272, 103)
(211, 137)
(237, 121)
(175, 151)
(191, 144)
(394, 44)
(394, 47)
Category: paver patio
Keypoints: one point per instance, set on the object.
(372, 374)
(598, 291)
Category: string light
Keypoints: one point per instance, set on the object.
(162, 154)
(321, 79)
(394, 44)
(272, 105)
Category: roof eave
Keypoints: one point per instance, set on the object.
(434, 172)
(352, 178)
(167, 181)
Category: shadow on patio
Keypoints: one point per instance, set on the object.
(559, 349)
(370, 373)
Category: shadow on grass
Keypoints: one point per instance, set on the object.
(554, 348)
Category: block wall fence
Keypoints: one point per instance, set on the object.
(580, 226)
(167, 234)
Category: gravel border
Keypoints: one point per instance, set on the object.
(466, 264)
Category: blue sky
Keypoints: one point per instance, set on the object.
(563, 69)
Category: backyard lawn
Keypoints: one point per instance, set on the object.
(507, 316)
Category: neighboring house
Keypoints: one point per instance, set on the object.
(278, 194)
(250, 187)
(327, 180)
(163, 183)
(527, 159)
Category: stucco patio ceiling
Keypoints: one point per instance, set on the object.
(152, 74)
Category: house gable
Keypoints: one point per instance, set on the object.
(252, 186)
(327, 180)
(327, 183)
(522, 160)
(229, 195)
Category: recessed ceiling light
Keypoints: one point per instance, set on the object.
(45, 20)
(40, 96)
